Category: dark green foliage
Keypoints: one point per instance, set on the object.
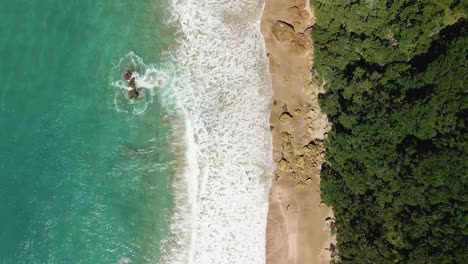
(396, 76)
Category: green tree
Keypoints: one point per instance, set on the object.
(396, 93)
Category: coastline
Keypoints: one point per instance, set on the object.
(298, 130)
(219, 52)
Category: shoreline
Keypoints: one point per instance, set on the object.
(296, 228)
(228, 154)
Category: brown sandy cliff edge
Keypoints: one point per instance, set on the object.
(297, 232)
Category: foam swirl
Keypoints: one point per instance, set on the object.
(149, 79)
(223, 87)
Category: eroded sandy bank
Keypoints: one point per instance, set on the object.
(297, 232)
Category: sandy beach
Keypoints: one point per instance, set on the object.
(297, 232)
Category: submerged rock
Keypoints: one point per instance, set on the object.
(133, 94)
(132, 83)
(128, 74)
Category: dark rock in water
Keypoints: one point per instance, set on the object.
(128, 74)
(132, 83)
(133, 93)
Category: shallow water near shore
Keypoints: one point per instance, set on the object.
(85, 176)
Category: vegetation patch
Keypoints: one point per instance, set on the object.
(395, 75)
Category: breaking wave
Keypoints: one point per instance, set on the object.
(221, 86)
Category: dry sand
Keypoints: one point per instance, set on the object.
(296, 231)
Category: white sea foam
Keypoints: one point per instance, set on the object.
(149, 78)
(222, 86)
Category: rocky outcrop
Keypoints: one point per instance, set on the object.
(295, 32)
(295, 218)
(283, 31)
(285, 117)
(131, 82)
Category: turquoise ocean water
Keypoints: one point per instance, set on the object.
(80, 182)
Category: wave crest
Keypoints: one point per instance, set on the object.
(222, 86)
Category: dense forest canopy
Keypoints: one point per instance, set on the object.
(396, 79)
